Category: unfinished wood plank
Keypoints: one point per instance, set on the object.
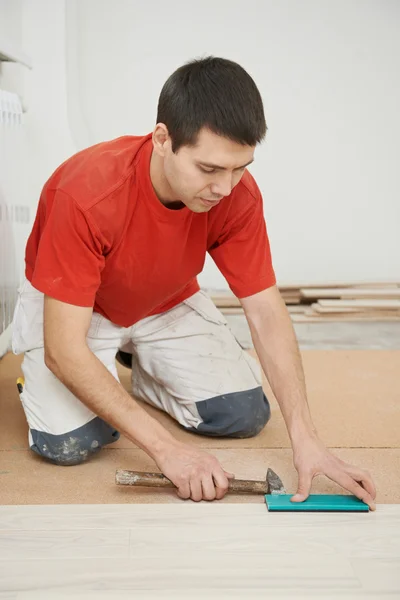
(315, 308)
(350, 293)
(231, 302)
(292, 299)
(362, 303)
(322, 309)
(326, 285)
(303, 318)
(365, 312)
(297, 308)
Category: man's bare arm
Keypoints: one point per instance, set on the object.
(276, 346)
(197, 474)
(68, 356)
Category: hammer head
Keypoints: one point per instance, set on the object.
(274, 483)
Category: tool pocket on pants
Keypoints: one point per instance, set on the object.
(201, 303)
(27, 325)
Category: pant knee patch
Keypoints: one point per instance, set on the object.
(76, 446)
(238, 414)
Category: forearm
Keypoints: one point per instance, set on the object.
(90, 381)
(277, 348)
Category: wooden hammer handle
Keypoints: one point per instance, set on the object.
(137, 478)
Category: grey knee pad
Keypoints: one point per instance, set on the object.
(74, 447)
(239, 414)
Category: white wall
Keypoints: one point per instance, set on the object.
(37, 28)
(12, 188)
(50, 140)
(10, 20)
(328, 72)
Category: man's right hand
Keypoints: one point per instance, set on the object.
(197, 474)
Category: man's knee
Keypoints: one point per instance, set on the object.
(239, 414)
(74, 447)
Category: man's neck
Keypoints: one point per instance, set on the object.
(159, 182)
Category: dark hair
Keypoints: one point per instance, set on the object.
(215, 93)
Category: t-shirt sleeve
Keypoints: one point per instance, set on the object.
(66, 262)
(242, 252)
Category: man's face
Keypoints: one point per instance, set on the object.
(201, 176)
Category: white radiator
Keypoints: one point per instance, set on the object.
(14, 213)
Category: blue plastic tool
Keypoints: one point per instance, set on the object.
(317, 503)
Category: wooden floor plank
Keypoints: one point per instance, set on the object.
(118, 516)
(177, 571)
(379, 574)
(219, 550)
(212, 594)
(58, 544)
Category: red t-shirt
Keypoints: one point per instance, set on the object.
(102, 238)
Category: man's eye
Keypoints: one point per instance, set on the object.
(206, 170)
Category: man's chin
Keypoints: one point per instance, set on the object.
(199, 208)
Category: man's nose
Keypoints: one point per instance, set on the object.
(223, 186)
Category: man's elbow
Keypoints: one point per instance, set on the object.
(263, 304)
(266, 310)
(51, 358)
(57, 359)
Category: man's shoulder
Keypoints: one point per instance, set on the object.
(242, 205)
(247, 186)
(99, 171)
(244, 197)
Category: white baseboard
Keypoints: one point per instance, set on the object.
(5, 341)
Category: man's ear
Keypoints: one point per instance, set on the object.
(161, 139)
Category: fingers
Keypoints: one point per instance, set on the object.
(214, 487)
(184, 490)
(196, 490)
(208, 487)
(352, 486)
(364, 479)
(198, 475)
(304, 487)
(221, 480)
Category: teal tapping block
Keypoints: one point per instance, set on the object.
(316, 502)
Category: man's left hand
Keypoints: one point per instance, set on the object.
(312, 458)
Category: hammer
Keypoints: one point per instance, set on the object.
(271, 485)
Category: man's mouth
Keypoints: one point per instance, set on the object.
(210, 202)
